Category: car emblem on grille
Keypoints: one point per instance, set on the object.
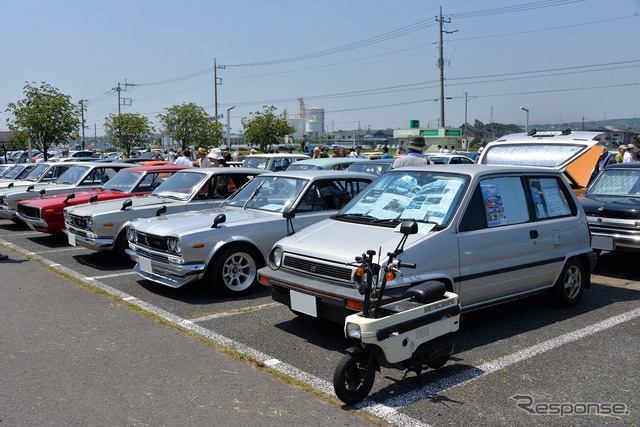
(313, 268)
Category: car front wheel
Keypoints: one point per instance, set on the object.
(234, 270)
(569, 287)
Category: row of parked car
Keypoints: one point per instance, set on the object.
(491, 232)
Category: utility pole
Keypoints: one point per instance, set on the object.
(441, 64)
(216, 82)
(82, 108)
(120, 88)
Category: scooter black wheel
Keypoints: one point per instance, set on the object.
(353, 378)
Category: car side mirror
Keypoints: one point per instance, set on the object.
(219, 219)
(69, 197)
(408, 227)
(162, 210)
(289, 214)
(126, 204)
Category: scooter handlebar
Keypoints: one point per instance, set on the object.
(406, 264)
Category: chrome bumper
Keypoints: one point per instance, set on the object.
(95, 244)
(165, 273)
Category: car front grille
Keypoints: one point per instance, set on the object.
(150, 241)
(78, 221)
(316, 268)
(28, 211)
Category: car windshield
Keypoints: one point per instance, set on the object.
(73, 175)
(255, 162)
(398, 195)
(36, 172)
(15, 172)
(4, 169)
(180, 185)
(268, 193)
(123, 181)
(617, 182)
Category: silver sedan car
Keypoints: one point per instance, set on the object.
(225, 246)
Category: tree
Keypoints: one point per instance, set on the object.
(190, 125)
(128, 130)
(265, 129)
(45, 115)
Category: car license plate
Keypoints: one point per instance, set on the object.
(604, 243)
(145, 264)
(303, 303)
(72, 239)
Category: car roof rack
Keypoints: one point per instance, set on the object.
(534, 132)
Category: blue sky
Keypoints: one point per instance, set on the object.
(369, 63)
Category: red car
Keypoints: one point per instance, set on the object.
(45, 214)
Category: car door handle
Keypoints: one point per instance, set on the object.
(533, 234)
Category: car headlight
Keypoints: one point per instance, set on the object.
(352, 331)
(67, 218)
(132, 236)
(90, 224)
(275, 257)
(173, 244)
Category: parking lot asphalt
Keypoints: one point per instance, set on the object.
(73, 357)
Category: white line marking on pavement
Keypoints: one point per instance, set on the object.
(52, 251)
(235, 312)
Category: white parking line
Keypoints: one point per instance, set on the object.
(53, 251)
(389, 409)
(235, 312)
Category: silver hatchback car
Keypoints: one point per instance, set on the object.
(489, 233)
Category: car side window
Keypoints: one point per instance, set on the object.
(504, 201)
(549, 199)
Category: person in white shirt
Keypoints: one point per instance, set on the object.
(202, 156)
(185, 159)
(628, 156)
(358, 153)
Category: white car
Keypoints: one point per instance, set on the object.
(100, 226)
(225, 246)
(488, 233)
(272, 162)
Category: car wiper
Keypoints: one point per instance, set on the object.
(254, 194)
(361, 216)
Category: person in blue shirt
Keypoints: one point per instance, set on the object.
(385, 153)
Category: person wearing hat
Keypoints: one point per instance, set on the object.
(216, 157)
(202, 156)
(414, 156)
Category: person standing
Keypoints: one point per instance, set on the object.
(414, 156)
(628, 155)
(204, 161)
(357, 153)
(385, 153)
(620, 156)
(185, 159)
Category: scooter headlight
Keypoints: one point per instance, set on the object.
(275, 258)
(353, 331)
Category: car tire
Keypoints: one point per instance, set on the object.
(120, 246)
(234, 270)
(570, 286)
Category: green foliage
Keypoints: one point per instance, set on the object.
(128, 130)
(44, 115)
(191, 126)
(265, 129)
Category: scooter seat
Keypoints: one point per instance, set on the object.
(426, 292)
